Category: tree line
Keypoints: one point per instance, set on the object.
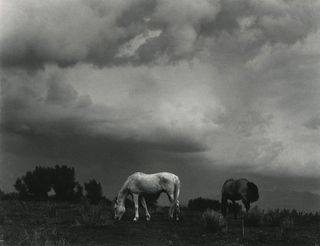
(56, 183)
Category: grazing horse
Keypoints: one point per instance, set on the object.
(139, 183)
(235, 190)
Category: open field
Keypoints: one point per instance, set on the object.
(41, 223)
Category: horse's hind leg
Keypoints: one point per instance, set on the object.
(171, 209)
(136, 206)
(144, 205)
(177, 208)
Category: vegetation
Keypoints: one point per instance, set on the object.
(93, 191)
(213, 221)
(279, 218)
(77, 215)
(201, 204)
(36, 185)
(64, 223)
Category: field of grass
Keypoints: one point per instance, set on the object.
(62, 224)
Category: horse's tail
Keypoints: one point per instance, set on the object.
(224, 201)
(224, 205)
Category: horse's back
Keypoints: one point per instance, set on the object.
(165, 175)
(231, 188)
(155, 182)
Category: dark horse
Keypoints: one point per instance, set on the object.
(235, 190)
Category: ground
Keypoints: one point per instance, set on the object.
(61, 224)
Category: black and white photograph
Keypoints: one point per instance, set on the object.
(159, 122)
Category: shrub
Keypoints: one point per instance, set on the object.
(272, 218)
(213, 221)
(286, 224)
(94, 215)
(254, 217)
(93, 191)
(10, 196)
(202, 204)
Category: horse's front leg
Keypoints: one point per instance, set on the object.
(144, 205)
(136, 206)
(234, 208)
(246, 205)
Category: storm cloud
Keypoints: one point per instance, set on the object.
(229, 87)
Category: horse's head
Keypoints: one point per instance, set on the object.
(252, 192)
(119, 209)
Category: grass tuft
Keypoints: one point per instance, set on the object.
(213, 221)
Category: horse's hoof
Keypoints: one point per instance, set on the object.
(148, 218)
(177, 219)
(135, 219)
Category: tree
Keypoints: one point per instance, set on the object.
(35, 185)
(78, 194)
(21, 187)
(63, 183)
(93, 191)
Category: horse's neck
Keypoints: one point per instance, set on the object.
(123, 193)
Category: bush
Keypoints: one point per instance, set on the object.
(254, 217)
(272, 218)
(94, 215)
(286, 223)
(213, 221)
(10, 196)
(201, 204)
(93, 191)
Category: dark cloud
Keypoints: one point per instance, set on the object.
(94, 31)
(59, 111)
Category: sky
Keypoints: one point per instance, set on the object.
(206, 89)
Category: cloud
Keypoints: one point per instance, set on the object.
(228, 85)
(52, 107)
(313, 123)
(99, 32)
(130, 48)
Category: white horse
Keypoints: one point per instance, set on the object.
(138, 184)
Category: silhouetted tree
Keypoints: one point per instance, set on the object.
(93, 191)
(21, 187)
(63, 183)
(78, 194)
(35, 184)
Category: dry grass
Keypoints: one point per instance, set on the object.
(62, 224)
(213, 221)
